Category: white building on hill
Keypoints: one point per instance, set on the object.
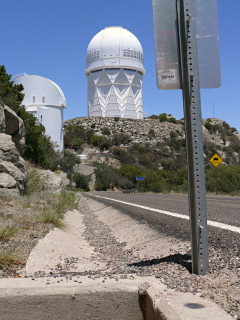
(115, 71)
(45, 100)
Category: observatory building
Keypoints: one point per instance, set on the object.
(45, 100)
(115, 71)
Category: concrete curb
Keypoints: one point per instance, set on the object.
(171, 305)
(84, 298)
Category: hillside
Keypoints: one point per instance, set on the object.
(164, 140)
(155, 148)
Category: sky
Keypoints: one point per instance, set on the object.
(50, 38)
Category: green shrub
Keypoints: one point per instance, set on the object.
(106, 131)
(68, 160)
(172, 120)
(147, 160)
(123, 156)
(173, 134)
(100, 142)
(77, 143)
(151, 133)
(154, 116)
(223, 179)
(163, 117)
(75, 136)
(81, 181)
(110, 178)
(120, 138)
(130, 172)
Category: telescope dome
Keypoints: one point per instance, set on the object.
(45, 100)
(114, 47)
(40, 91)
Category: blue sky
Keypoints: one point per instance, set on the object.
(50, 38)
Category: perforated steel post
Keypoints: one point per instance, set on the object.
(194, 140)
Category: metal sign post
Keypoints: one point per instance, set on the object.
(187, 58)
(194, 140)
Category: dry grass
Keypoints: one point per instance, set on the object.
(8, 259)
(8, 232)
(50, 216)
(25, 220)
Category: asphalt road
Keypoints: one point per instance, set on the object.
(223, 209)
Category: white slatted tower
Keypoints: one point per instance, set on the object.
(115, 71)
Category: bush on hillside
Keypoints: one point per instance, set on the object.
(120, 138)
(223, 179)
(81, 181)
(106, 131)
(109, 178)
(75, 136)
(100, 142)
(125, 157)
(67, 161)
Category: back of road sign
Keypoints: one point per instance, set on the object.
(167, 44)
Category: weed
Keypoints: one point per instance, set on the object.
(26, 205)
(26, 223)
(35, 182)
(7, 232)
(50, 216)
(67, 201)
(5, 216)
(7, 259)
(54, 213)
(33, 236)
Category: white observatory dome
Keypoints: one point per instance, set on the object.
(45, 100)
(114, 47)
(43, 91)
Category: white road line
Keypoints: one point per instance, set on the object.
(174, 214)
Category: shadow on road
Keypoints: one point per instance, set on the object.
(182, 259)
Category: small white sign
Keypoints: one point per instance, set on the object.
(167, 75)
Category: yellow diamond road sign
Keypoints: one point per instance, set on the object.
(216, 160)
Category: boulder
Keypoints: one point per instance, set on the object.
(54, 181)
(12, 125)
(2, 119)
(19, 176)
(8, 150)
(7, 181)
(13, 175)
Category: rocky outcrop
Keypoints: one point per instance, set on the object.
(218, 136)
(139, 131)
(13, 174)
(53, 181)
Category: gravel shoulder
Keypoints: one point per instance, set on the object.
(100, 241)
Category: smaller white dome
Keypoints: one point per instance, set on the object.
(114, 47)
(40, 91)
